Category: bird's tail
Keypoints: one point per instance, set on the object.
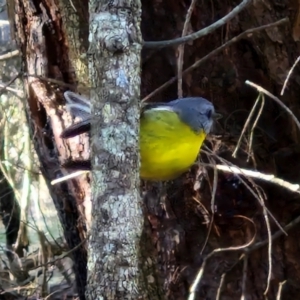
(78, 106)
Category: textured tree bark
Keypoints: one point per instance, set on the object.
(45, 45)
(10, 210)
(117, 220)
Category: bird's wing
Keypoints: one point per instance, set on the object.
(76, 129)
(156, 106)
(77, 105)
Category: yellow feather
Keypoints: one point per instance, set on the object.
(168, 146)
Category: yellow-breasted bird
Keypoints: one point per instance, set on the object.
(171, 134)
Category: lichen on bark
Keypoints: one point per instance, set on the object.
(117, 220)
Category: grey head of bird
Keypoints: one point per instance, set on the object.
(196, 112)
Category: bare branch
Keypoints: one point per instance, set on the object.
(9, 55)
(212, 205)
(6, 85)
(289, 75)
(257, 194)
(181, 47)
(205, 31)
(246, 125)
(275, 236)
(262, 90)
(255, 124)
(247, 33)
(221, 284)
(244, 280)
(67, 177)
(254, 174)
(52, 80)
(211, 254)
(280, 286)
(16, 92)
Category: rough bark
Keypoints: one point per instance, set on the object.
(11, 204)
(44, 46)
(114, 260)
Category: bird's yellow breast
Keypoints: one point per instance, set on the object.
(168, 146)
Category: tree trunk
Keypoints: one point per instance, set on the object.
(115, 262)
(45, 45)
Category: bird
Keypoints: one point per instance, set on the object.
(171, 133)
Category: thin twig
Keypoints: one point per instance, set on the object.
(254, 174)
(269, 250)
(203, 210)
(181, 47)
(205, 31)
(67, 177)
(220, 288)
(229, 164)
(267, 221)
(16, 92)
(212, 207)
(246, 125)
(66, 254)
(9, 55)
(255, 124)
(198, 278)
(277, 100)
(218, 296)
(280, 286)
(6, 85)
(246, 33)
(258, 195)
(289, 75)
(52, 80)
(276, 235)
(244, 280)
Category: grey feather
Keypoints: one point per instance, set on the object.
(196, 112)
(77, 105)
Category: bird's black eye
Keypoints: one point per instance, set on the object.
(209, 113)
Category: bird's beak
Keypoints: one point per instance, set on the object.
(216, 116)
